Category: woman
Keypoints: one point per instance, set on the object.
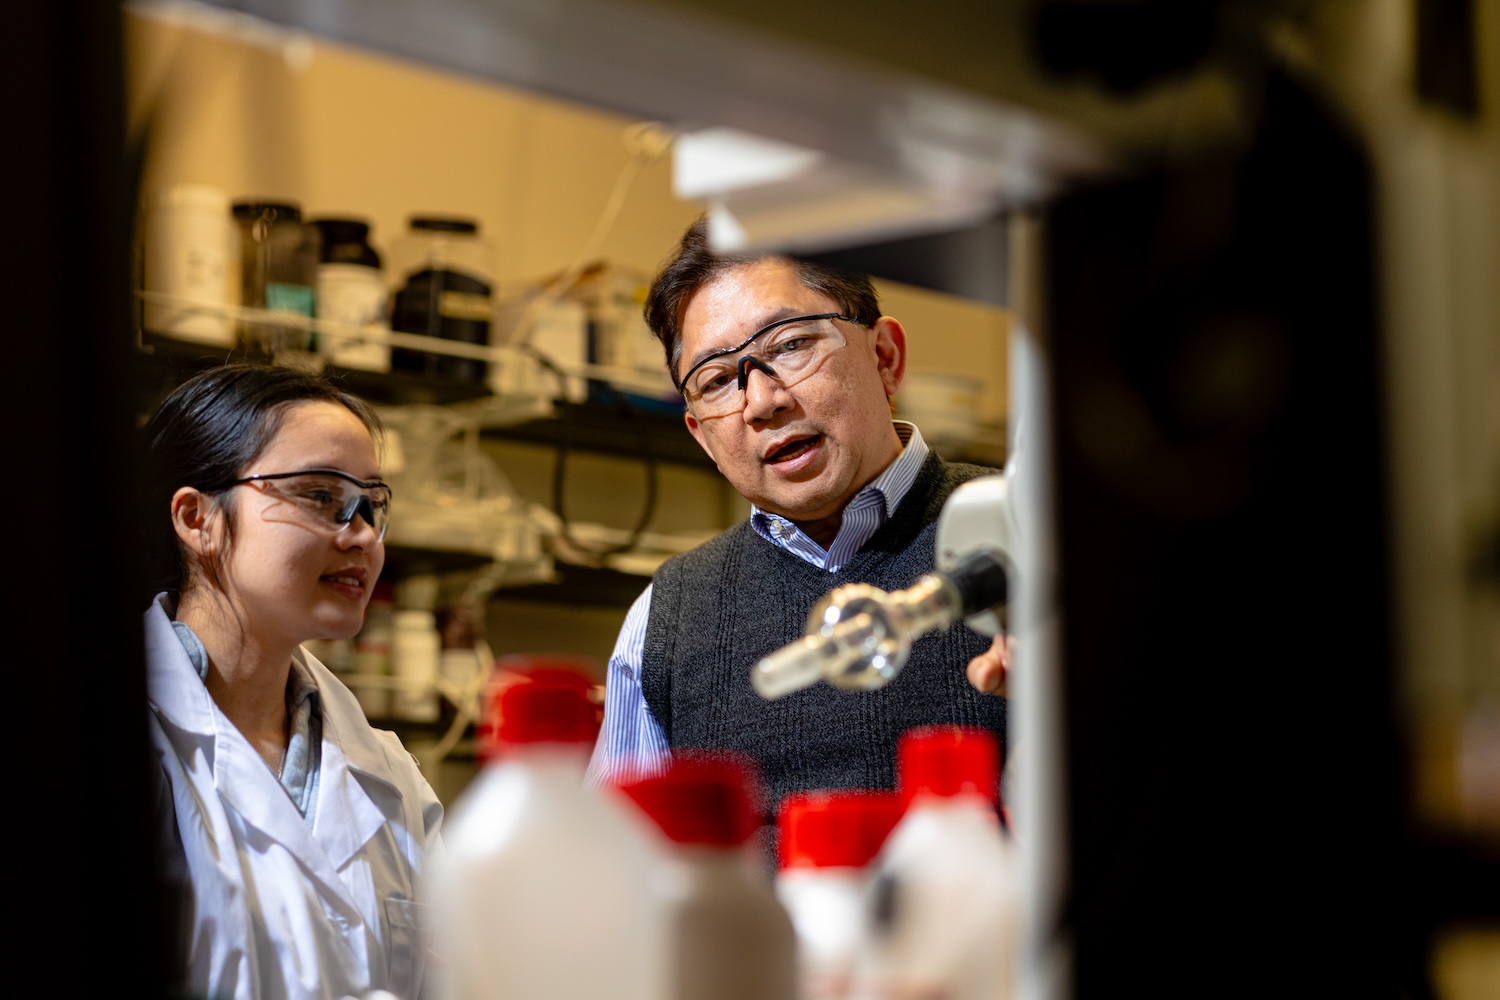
(295, 832)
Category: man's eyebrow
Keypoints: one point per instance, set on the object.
(766, 319)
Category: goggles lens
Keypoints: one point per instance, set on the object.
(331, 498)
(788, 351)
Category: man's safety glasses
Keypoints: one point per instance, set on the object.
(788, 350)
(329, 497)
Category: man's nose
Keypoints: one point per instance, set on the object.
(764, 393)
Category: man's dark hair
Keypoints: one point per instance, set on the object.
(695, 264)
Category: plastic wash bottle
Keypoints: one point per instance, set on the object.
(945, 902)
(541, 892)
(827, 841)
(726, 936)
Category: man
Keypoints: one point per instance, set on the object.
(788, 369)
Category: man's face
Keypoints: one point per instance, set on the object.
(801, 452)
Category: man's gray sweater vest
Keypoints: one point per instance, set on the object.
(724, 605)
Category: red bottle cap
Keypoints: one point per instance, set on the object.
(537, 699)
(949, 760)
(836, 828)
(702, 799)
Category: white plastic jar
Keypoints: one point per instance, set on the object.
(827, 841)
(187, 241)
(725, 935)
(945, 904)
(416, 654)
(544, 886)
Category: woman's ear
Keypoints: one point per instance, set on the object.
(194, 521)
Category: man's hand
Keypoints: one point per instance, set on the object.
(988, 670)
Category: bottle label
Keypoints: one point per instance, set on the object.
(350, 295)
(286, 298)
(464, 305)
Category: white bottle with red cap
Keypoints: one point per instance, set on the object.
(945, 902)
(542, 892)
(725, 935)
(827, 841)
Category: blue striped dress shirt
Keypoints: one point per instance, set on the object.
(632, 741)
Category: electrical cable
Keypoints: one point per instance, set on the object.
(559, 477)
(646, 142)
(566, 424)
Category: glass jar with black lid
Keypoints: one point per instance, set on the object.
(445, 283)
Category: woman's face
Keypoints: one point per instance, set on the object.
(291, 576)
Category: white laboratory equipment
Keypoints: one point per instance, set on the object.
(416, 651)
(858, 636)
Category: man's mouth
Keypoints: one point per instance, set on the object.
(348, 581)
(792, 449)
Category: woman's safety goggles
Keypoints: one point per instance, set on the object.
(328, 497)
(787, 351)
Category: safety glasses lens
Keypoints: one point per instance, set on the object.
(789, 353)
(360, 505)
(333, 500)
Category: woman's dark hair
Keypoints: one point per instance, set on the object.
(205, 433)
(695, 264)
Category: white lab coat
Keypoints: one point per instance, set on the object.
(272, 908)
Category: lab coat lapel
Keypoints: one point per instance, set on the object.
(347, 817)
(249, 787)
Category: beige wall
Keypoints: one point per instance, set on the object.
(345, 131)
(954, 336)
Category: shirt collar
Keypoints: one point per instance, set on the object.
(300, 685)
(896, 480)
(887, 490)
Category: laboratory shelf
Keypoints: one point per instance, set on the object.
(163, 362)
(608, 429)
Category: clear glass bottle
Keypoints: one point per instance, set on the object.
(278, 271)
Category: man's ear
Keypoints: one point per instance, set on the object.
(193, 520)
(890, 352)
(696, 430)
